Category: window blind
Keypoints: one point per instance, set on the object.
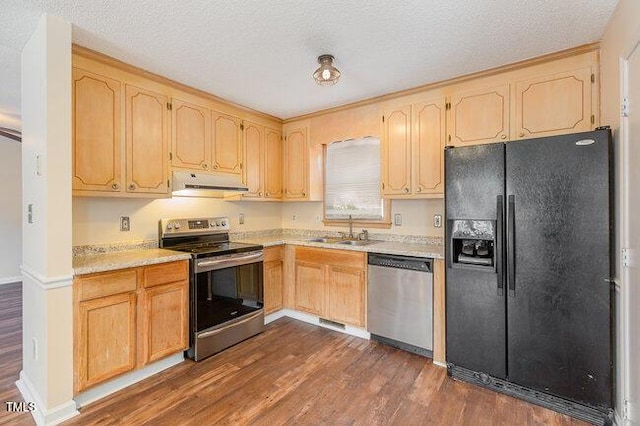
(352, 180)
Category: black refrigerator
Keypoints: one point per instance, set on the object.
(528, 267)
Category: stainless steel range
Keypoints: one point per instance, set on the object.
(226, 302)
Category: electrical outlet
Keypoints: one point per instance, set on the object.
(30, 213)
(241, 219)
(397, 219)
(125, 224)
(317, 218)
(294, 217)
(437, 220)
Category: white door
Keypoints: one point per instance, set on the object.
(631, 238)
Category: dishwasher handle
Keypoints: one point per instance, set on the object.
(401, 262)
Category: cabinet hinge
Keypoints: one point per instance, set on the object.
(447, 106)
(383, 185)
(240, 166)
(624, 107)
(449, 138)
(170, 156)
(383, 118)
(168, 185)
(593, 118)
(593, 78)
(241, 126)
(169, 106)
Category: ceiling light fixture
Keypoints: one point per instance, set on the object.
(327, 74)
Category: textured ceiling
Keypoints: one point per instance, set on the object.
(261, 53)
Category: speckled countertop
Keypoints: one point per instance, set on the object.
(108, 257)
(109, 261)
(405, 248)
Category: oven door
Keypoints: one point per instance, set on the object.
(226, 288)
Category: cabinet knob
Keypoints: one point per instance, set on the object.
(260, 194)
(521, 135)
(304, 194)
(205, 166)
(115, 186)
(266, 194)
(503, 137)
(132, 187)
(406, 190)
(215, 166)
(419, 189)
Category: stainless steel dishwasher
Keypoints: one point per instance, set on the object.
(400, 302)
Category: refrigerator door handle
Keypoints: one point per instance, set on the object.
(511, 245)
(499, 244)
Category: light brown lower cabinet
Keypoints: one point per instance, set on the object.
(127, 318)
(273, 272)
(331, 284)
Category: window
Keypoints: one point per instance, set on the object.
(352, 182)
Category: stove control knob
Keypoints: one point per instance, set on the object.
(169, 226)
(224, 223)
(176, 226)
(217, 223)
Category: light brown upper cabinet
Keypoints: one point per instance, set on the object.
(147, 141)
(479, 116)
(554, 104)
(262, 162)
(272, 163)
(413, 139)
(191, 135)
(296, 159)
(396, 150)
(226, 134)
(96, 132)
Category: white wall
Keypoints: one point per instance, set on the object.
(97, 220)
(47, 355)
(10, 213)
(417, 217)
(622, 30)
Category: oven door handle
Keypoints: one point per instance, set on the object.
(207, 333)
(210, 265)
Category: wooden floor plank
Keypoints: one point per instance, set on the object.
(292, 374)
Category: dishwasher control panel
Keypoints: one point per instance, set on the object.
(401, 262)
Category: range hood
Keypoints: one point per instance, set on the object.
(189, 184)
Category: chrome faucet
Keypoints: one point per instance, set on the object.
(364, 235)
(350, 226)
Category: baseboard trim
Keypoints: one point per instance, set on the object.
(41, 415)
(11, 280)
(274, 316)
(315, 320)
(121, 382)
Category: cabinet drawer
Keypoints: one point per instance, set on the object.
(106, 284)
(165, 273)
(273, 253)
(331, 257)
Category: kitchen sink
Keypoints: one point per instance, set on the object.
(356, 242)
(324, 240)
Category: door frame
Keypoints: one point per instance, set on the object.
(622, 283)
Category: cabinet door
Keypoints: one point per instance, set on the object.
(346, 295)
(147, 140)
(296, 164)
(96, 132)
(190, 135)
(226, 143)
(429, 135)
(479, 116)
(253, 159)
(396, 151)
(166, 320)
(554, 104)
(310, 289)
(106, 339)
(273, 273)
(272, 163)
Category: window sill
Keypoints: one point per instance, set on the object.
(358, 223)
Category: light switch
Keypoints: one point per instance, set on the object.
(437, 220)
(241, 219)
(397, 219)
(30, 213)
(125, 223)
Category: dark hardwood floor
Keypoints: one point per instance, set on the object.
(292, 374)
